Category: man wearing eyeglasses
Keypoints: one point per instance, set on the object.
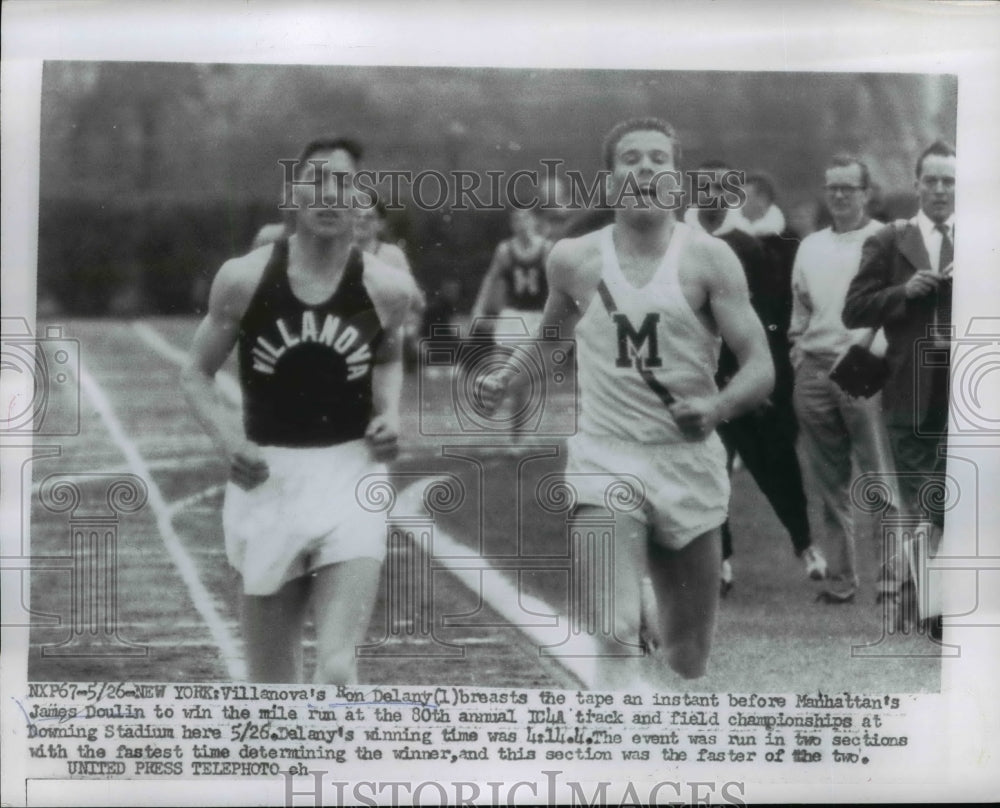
(834, 427)
(904, 285)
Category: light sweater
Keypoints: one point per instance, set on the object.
(825, 264)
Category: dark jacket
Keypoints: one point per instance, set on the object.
(877, 298)
(768, 269)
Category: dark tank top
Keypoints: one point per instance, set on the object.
(306, 370)
(527, 288)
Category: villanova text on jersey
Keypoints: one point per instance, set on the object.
(334, 333)
(306, 370)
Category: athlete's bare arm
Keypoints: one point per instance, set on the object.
(573, 271)
(727, 300)
(268, 234)
(392, 292)
(393, 256)
(492, 297)
(232, 290)
(382, 433)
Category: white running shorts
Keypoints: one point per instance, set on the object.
(686, 485)
(304, 516)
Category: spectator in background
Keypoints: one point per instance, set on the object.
(765, 437)
(370, 234)
(766, 221)
(835, 427)
(904, 286)
(761, 214)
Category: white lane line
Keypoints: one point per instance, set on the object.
(228, 386)
(499, 593)
(503, 596)
(179, 505)
(200, 596)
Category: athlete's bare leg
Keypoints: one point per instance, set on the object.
(344, 595)
(272, 628)
(519, 407)
(617, 607)
(686, 584)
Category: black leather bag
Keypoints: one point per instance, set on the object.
(860, 373)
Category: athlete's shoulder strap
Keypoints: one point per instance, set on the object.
(651, 381)
(278, 259)
(274, 274)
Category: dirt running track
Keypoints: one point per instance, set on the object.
(177, 598)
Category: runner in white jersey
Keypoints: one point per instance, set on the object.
(648, 301)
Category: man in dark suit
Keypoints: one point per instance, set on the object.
(904, 286)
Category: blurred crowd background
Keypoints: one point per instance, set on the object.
(153, 174)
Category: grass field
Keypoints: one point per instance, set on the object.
(177, 597)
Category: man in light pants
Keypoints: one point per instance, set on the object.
(834, 427)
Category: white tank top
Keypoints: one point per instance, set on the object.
(653, 326)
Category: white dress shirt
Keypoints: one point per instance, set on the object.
(932, 237)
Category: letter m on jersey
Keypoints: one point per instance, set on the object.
(629, 338)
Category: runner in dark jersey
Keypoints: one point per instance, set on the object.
(316, 325)
(515, 288)
(306, 370)
(515, 280)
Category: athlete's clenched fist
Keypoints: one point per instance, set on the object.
(696, 418)
(382, 436)
(490, 389)
(247, 467)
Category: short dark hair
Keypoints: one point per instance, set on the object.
(763, 184)
(939, 148)
(327, 143)
(847, 160)
(639, 125)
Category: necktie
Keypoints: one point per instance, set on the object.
(947, 256)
